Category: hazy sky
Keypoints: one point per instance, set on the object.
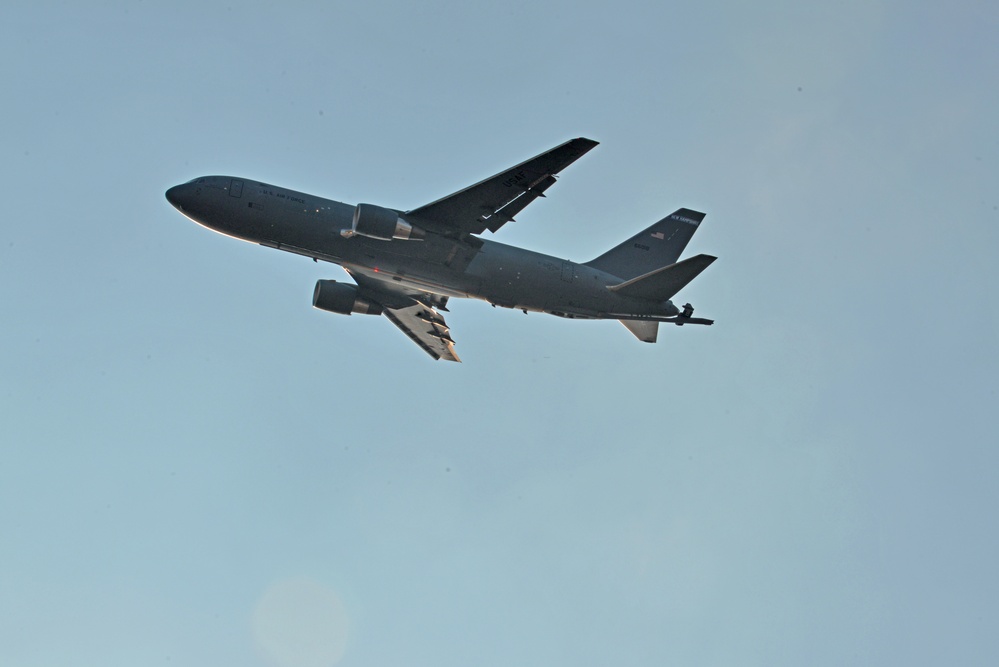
(199, 468)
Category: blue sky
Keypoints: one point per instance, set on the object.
(197, 467)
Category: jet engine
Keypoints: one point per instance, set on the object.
(382, 223)
(342, 298)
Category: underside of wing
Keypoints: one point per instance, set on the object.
(495, 201)
(425, 326)
(414, 312)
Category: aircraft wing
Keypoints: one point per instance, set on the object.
(412, 311)
(426, 328)
(493, 202)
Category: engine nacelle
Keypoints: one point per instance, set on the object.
(382, 223)
(342, 298)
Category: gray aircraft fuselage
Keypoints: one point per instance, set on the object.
(469, 267)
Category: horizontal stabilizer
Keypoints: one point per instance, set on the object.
(664, 283)
(645, 330)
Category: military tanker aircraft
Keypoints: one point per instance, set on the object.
(407, 264)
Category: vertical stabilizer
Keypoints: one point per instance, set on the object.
(659, 245)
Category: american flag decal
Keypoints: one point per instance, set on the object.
(658, 235)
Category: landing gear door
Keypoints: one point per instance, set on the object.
(236, 188)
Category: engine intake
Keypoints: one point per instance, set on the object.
(382, 223)
(342, 298)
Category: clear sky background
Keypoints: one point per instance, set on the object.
(197, 468)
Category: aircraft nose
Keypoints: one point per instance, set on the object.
(177, 195)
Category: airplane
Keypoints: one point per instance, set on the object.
(407, 264)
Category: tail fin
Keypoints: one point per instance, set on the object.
(659, 245)
(663, 283)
